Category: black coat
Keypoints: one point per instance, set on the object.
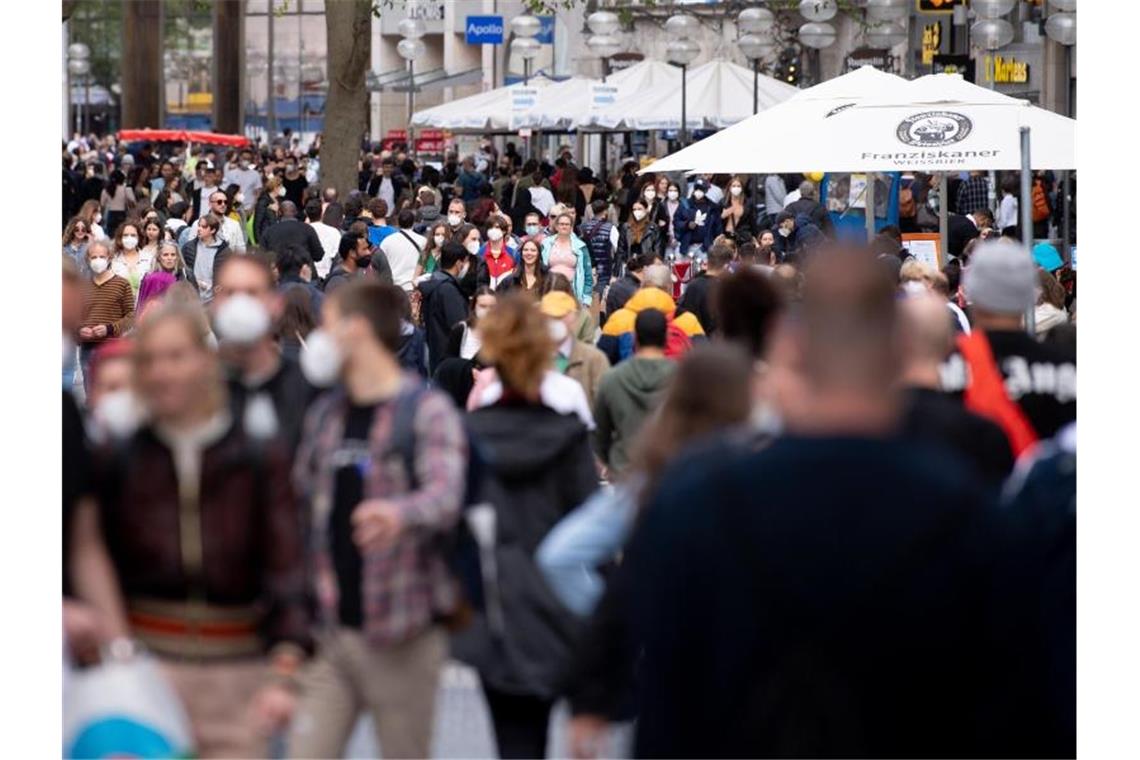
(959, 231)
(292, 234)
(698, 301)
(263, 217)
(538, 467)
(444, 306)
(813, 209)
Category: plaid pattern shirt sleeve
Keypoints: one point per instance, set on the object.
(973, 195)
(441, 466)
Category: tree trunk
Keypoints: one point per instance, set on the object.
(142, 64)
(228, 74)
(349, 34)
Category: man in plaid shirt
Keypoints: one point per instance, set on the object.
(974, 194)
(377, 512)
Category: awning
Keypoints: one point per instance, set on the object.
(434, 79)
(180, 135)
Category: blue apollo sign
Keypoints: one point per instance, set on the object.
(484, 30)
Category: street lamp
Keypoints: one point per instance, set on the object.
(885, 35)
(756, 43)
(682, 51)
(524, 45)
(887, 10)
(818, 10)
(991, 34)
(79, 65)
(410, 48)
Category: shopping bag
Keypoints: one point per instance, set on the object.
(123, 707)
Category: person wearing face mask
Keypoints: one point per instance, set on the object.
(697, 222)
(243, 313)
(376, 525)
(268, 204)
(354, 257)
(468, 236)
(110, 413)
(246, 177)
(130, 262)
(578, 360)
(672, 204)
(533, 228)
(464, 341)
(438, 234)
(496, 261)
(655, 208)
(639, 235)
(737, 217)
(294, 182)
(108, 307)
(209, 604)
(443, 302)
(456, 214)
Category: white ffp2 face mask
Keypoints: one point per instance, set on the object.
(454, 220)
(98, 265)
(321, 359)
(638, 214)
(440, 240)
(119, 414)
(495, 234)
(674, 195)
(241, 320)
(130, 242)
(736, 190)
(472, 247)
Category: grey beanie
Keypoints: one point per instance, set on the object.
(1001, 278)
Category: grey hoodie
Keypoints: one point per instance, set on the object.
(627, 395)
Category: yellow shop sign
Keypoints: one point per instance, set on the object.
(1001, 70)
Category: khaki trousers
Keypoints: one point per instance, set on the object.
(218, 698)
(397, 684)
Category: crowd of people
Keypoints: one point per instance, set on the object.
(633, 442)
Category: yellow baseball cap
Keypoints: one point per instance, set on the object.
(557, 304)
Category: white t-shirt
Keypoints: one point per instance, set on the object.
(561, 393)
(403, 255)
(330, 242)
(249, 180)
(1007, 212)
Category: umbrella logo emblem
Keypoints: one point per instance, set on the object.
(934, 129)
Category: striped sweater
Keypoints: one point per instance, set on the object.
(111, 303)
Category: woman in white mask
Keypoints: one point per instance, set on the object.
(672, 203)
(465, 340)
(130, 262)
(108, 310)
(437, 234)
(468, 236)
(737, 216)
(638, 234)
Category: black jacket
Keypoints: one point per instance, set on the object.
(444, 305)
(291, 394)
(959, 231)
(621, 291)
(263, 217)
(698, 301)
(813, 209)
(292, 234)
(538, 466)
(938, 419)
(824, 601)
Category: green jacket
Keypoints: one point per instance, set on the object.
(627, 395)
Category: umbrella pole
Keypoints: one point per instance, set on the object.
(1026, 208)
(869, 207)
(943, 216)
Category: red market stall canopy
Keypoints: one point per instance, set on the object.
(182, 135)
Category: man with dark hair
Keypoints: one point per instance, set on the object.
(745, 306)
(377, 211)
(353, 209)
(697, 298)
(387, 184)
(602, 241)
(403, 249)
(377, 523)
(444, 305)
(295, 271)
(630, 392)
(623, 289)
(973, 194)
(354, 256)
(291, 233)
(833, 614)
(327, 227)
(255, 366)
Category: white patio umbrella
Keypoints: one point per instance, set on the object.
(573, 110)
(754, 141)
(719, 95)
(484, 111)
(550, 100)
(936, 123)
